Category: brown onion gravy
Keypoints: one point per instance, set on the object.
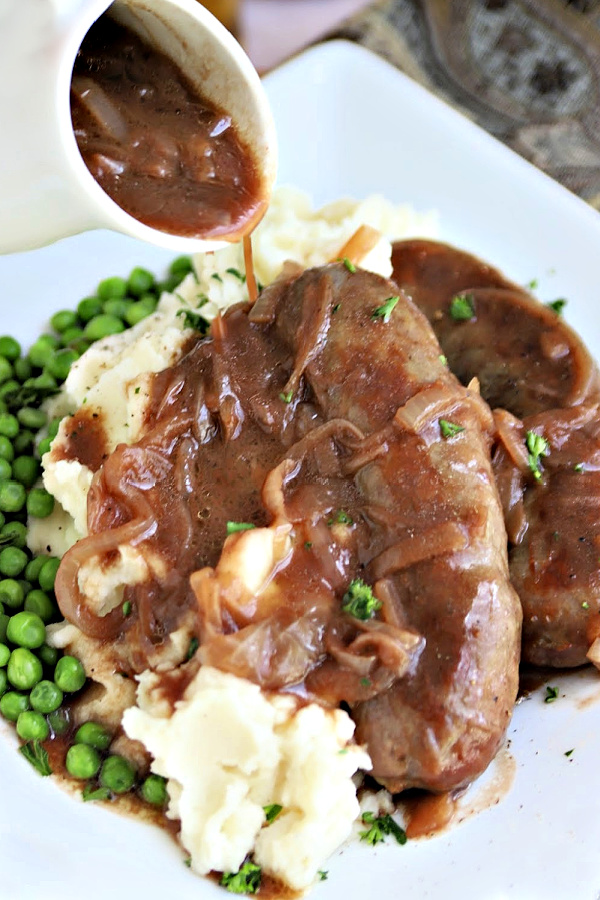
(165, 154)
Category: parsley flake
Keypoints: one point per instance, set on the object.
(531, 285)
(349, 265)
(585, 605)
(287, 396)
(360, 601)
(341, 518)
(462, 307)
(579, 467)
(443, 359)
(335, 307)
(381, 826)
(569, 752)
(308, 545)
(557, 306)
(538, 446)
(384, 311)
(233, 527)
(236, 274)
(188, 862)
(37, 756)
(127, 608)
(217, 277)
(194, 644)
(91, 792)
(551, 694)
(322, 875)
(246, 881)
(365, 682)
(194, 320)
(450, 429)
(272, 811)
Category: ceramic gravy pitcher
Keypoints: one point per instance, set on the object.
(46, 190)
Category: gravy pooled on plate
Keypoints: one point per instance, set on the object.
(164, 153)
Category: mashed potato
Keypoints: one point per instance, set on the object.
(227, 749)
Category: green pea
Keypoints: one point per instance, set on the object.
(110, 288)
(80, 345)
(71, 334)
(25, 470)
(101, 326)
(12, 560)
(82, 761)
(24, 669)
(46, 697)
(8, 389)
(94, 735)
(117, 774)
(12, 496)
(4, 620)
(13, 704)
(60, 364)
(44, 446)
(34, 567)
(44, 383)
(40, 503)
(16, 532)
(88, 308)
(3, 681)
(140, 281)
(4, 654)
(117, 308)
(170, 283)
(41, 352)
(10, 348)
(136, 312)
(26, 629)
(47, 575)
(59, 721)
(12, 593)
(181, 266)
(39, 602)
(23, 368)
(32, 726)
(154, 790)
(48, 655)
(32, 418)
(63, 319)
(54, 426)
(9, 425)
(69, 674)
(23, 441)
(5, 469)
(6, 370)
(6, 449)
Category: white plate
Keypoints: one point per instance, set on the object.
(350, 124)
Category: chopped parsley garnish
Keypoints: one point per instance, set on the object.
(443, 359)
(557, 305)
(349, 265)
(360, 601)
(462, 307)
(236, 274)
(194, 320)
(217, 277)
(272, 811)
(36, 755)
(569, 752)
(585, 605)
(308, 545)
(188, 862)
(194, 644)
(450, 429)
(341, 518)
(246, 881)
(91, 792)
(579, 467)
(381, 826)
(233, 527)
(287, 396)
(335, 307)
(365, 682)
(531, 285)
(538, 446)
(551, 694)
(384, 311)
(322, 875)
(127, 608)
